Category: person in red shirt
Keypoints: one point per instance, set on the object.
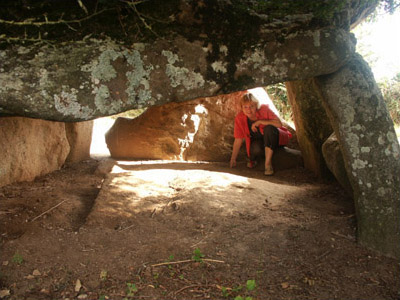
(262, 131)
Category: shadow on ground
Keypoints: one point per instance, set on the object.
(158, 230)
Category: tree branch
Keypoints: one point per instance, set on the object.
(31, 22)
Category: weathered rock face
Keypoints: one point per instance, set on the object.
(370, 150)
(111, 78)
(334, 160)
(200, 129)
(30, 148)
(312, 124)
(79, 135)
(202, 48)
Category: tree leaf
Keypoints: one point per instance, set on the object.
(250, 285)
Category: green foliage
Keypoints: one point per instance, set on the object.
(390, 5)
(239, 291)
(238, 288)
(250, 285)
(277, 93)
(390, 90)
(197, 255)
(131, 289)
(391, 94)
(225, 292)
(383, 7)
(17, 258)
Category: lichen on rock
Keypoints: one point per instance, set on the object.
(102, 69)
(67, 104)
(139, 76)
(181, 76)
(366, 134)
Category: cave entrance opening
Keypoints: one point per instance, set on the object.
(98, 146)
(274, 95)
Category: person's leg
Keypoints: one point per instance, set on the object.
(256, 151)
(268, 161)
(271, 142)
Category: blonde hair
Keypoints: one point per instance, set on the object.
(249, 97)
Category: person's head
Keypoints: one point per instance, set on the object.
(249, 104)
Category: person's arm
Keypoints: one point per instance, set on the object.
(236, 147)
(274, 122)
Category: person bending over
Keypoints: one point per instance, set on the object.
(262, 131)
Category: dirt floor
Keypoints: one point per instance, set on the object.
(157, 230)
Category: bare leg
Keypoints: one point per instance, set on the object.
(268, 161)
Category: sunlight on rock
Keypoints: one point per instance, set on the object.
(195, 118)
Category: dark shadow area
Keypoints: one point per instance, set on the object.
(80, 214)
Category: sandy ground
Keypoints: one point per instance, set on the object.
(104, 229)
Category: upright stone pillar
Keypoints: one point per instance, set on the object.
(312, 124)
(79, 135)
(370, 150)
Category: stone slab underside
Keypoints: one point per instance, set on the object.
(86, 80)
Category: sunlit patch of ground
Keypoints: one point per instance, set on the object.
(154, 187)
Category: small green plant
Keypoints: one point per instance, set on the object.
(238, 288)
(197, 255)
(131, 289)
(170, 258)
(17, 258)
(103, 275)
(250, 286)
(225, 292)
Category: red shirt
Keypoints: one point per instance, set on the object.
(241, 129)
